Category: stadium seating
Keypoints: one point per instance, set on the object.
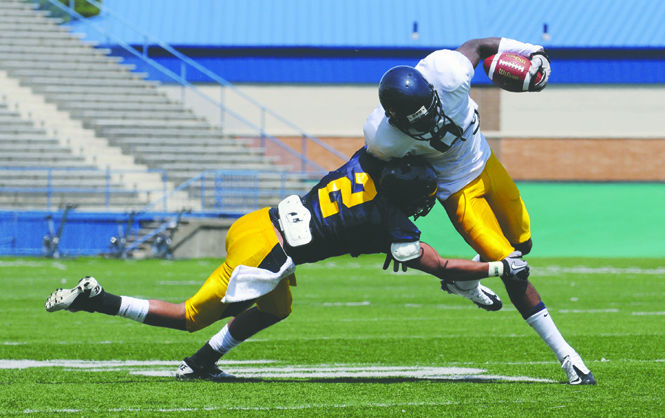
(129, 114)
(31, 162)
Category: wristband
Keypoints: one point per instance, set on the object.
(495, 269)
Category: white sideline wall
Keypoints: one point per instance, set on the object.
(331, 110)
(617, 111)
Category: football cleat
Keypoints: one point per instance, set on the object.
(481, 295)
(78, 298)
(578, 373)
(191, 372)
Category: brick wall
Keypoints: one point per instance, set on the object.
(556, 159)
(592, 159)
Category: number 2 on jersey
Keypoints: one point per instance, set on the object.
(349, 199)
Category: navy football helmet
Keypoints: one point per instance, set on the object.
(413, 106)
(411, 184)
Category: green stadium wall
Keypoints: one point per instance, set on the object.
(576, 220)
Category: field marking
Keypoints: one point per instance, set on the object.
(363, 303)
(250, 408)
(452, 366)
(549, 270)
(648, 313)
(22, 263)
(180, 282)
(248, 369)
(101, 364)
(611, 310)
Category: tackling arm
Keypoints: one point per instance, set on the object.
(448, 269)
(511, 268)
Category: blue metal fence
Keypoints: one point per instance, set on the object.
(28, 227)
(215, 192)
(44, 184)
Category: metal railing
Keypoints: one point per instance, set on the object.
(236, 192)
(185, 63)
(50, 187)
(213, 192)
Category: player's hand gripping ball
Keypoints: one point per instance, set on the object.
(514, 72)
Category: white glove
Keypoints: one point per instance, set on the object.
(539, 62)
(514, 268)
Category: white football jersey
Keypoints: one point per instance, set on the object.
(450, 73)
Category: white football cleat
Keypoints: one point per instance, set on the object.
(74, 299)
(213, 373)
(577, 372)
(481, 295)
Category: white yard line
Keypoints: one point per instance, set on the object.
(102, 364)
(257, 369)
(552, 270)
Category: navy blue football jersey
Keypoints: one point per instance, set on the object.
(350, 215)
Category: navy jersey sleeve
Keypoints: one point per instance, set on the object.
(399, 226)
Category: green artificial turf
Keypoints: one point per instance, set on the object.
(360, 341)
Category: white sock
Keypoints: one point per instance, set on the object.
(134, 308)
(223, 341)
(543, 324)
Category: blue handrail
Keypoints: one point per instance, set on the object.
(228, 188)
(47, 188)
(219, 80)
(230, 192)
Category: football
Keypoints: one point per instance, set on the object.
(510, 71)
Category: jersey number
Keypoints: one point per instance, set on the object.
(349, 199)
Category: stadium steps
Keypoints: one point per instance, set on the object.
(128, 121)
(42, 165)
(20, 64)
(34, 116)
(144, 242)
(175, 141)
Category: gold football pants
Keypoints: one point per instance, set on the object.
(489, 213)
(249, 242)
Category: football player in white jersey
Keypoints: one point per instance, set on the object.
(427, 111)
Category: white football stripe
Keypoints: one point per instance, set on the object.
(495, 60)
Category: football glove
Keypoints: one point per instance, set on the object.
(540, 62)
(514, 268)
(396, 264)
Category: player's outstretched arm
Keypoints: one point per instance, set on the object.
(453, 269)
(477, 50)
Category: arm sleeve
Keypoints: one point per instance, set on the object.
(449, 70)
(398, 225)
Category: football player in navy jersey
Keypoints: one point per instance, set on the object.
(361, 208)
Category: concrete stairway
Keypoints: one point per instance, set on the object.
(111, 117)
